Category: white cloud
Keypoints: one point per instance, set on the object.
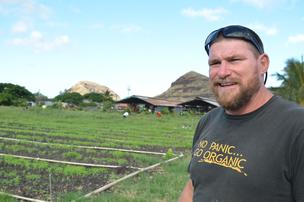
(127, 28)
(296, 38)
(36, 36)
(271, 31)
(269, 4)
(18, 41)
(62, 40)
(37, 41)
(25, 8)
(20, 27)
(97, 25)
(259, 3)
(208, 14)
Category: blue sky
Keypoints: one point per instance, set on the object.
(48, 46)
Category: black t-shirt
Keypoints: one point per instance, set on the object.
(257, 157)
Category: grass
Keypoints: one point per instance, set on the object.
(167, 134)
(5, 198)
(136, 131)
(163, 184)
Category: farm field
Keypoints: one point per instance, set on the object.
(52, 155)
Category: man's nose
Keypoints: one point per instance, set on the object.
(223, 70)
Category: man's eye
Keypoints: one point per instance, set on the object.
(214, 63)
(235, 59)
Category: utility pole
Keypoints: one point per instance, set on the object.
(129, 89)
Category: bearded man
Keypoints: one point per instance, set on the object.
(252, 147)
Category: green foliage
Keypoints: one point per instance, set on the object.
(72, 155)
(6, 99)
(6, 198)
(107, 105)
(163, 184)
(71, 98)
(292, 86)
(16, 95)
(165, 110)
(89, 104)
(139, 131)
(95, 97)
(169, 154)
(71, 196)
(108, 96)
(74, 171)
(40, 98)
(118, 154)
(41, 165)
(32, 177)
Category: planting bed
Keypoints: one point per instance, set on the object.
(81, 137)
(46, 180)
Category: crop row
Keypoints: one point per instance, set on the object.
(71, 136)
(134, 132)
(70, 153)
(31, 178)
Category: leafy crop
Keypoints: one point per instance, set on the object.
(59, 135)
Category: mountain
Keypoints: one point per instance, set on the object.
(187, 87)
(85, 87)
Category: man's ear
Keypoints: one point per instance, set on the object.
(264, 61)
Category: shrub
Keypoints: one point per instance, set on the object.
(107, 106)
(165, 110)
(169, 154)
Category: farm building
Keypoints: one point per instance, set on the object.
(201, 104)
(137, 103)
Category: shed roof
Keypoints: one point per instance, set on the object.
(199, 101)
(137, 99)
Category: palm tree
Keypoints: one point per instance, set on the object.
(292, 86)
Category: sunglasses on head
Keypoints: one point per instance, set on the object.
(235, 31)
(239, 32)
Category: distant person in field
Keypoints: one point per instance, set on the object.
(125, 115)
(251, 149)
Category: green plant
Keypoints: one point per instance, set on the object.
(6, 198)
(165, 110)
(107, 105)
(139, 132)
(74, 171)
(72, 155)
(32, 177)
(11, 94)
(169, 154)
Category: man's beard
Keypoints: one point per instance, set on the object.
(233, 101)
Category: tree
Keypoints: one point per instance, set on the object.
(72, 98)
(40, 98)
(108, 96)
(99, 97)
(95, 97)
(6, 99)
(11, 94)
(292, 86)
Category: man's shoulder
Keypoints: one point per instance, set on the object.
(291, 112)
(289, 107)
